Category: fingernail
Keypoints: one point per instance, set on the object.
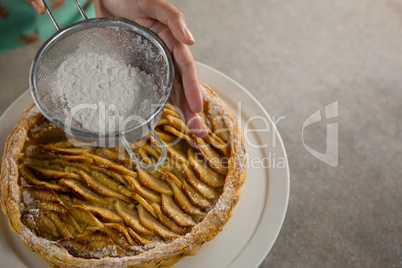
(201, 133)
(38, 6)
(188, 34)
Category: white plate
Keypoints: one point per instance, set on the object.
(257, 219)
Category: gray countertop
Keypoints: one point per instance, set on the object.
(296, 57)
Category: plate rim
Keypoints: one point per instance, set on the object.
(237, 262)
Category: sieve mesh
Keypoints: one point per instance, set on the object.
(120, 40)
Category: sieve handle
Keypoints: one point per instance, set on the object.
(51, 16)
(135, 159)
(80, 9)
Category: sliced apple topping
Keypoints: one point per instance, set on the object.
(165, 136)
(166, 221)
(219, 144)
(140, 239)
(112, 174)
(41, 193)
(100, 188)
(106, 179)
(106, 215)
(162, 122)
(51, 174)
(204, 172)
(154, 183)
(177, 133)
(170, 110)
(131, 218)
(205, 190)
(173, 154)
(71, 224)
(171, 178)
(109, 165)
(94, 236)
(49, 149)
(114, 156)
(83, 217)
(37, 221)
(28, 175)
(58, 222)
(183, 202)
(84, 192)
(151, 150)
(153, 224)
(101, 243)
(195, 198)
(171, 210)
(95, 202)
(214, 159)
(48, 205)
(144, 191)
(124, 231)
(178, 125)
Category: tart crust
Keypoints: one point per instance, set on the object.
(161, 254)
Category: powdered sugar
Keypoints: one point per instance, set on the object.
(101, 92)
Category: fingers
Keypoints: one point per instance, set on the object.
(169, 23)
(188, 71)
(190, 118)
(195, 124)
(193, 121)
(185, 66)
(38, 6)
(169, 15)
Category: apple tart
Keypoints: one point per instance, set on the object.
(78, 206)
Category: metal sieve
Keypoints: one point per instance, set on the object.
(122, 40)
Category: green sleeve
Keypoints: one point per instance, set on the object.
(20, 24)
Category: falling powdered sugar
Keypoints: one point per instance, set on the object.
(100, 92)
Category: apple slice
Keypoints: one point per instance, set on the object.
(131, 218)
(153, 224)
(171, 210)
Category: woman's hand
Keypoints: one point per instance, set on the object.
(38, 5)
(169, 23)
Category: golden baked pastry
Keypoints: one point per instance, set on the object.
(92, 207)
